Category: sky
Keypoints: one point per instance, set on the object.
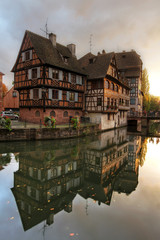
(115, 25)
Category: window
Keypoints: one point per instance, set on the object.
(14, 94)
(65, 114)
(77, 113)
(71, 96)
(52, 114)
(34, 73)
(99, 101)
(65, 76)
(54, 94)
(55, 74)
(133, 101)
(27, 55)
(35, 93)
(106, 84)
(97, 161)
(70, 167)
(133, 80)
(65, 60)
(37, 114)
(73, 78)
(93, 85)
(108, 116)
(112, 86)
(133, 90)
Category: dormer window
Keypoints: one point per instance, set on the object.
(65, 60)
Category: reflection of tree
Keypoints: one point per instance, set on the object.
(5, 158)
(154, 128)
(143, 151)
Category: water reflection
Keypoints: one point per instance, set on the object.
(49, 178)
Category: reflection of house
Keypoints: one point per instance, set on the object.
(1, 75)
(128, 179)
(11, 100)
(48, 180)
(103, 159)
(106, 98)
(130, 67)
(44, 183)
(49, 79)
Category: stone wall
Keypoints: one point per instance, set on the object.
(46, 133)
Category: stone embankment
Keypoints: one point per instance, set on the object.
(46, 133)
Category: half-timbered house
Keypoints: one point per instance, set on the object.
(49, 79)
(107, 98)
(130, 67)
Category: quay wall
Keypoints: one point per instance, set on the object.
(46, 133)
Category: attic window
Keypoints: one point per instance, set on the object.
(65, 60)
(91, 60)
(123, 55)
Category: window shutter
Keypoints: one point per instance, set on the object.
(60, 94)
(23, 56)
(66, 168)
(74, 165)
(40, 93)
(30, 74)
(28, 190)
(67, 96)
(38, 72)
(31, 94)
(37, 194)
(50, 93)
(59, 170)
(69, 77)
(76, 97)
(30, 54)
(59, 189)
(31, 171)
(50, 72)
(60, 75)
(80, 80)
(49, 174)
(39, 174)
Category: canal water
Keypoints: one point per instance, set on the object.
(100, 187)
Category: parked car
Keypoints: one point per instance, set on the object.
(10, 115)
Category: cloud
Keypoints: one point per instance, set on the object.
(116, 25)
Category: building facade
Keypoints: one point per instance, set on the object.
(130, 68)
(1, 75)
(11, 100)
(49, 79)
(107, 97)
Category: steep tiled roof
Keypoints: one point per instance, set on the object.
(128, 59)
(54, 55)
(130, 62)
(99, 66)
(84, 61)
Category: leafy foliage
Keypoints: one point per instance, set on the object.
(75, 123)
(145, 89)
(5, 123)
(49, 122)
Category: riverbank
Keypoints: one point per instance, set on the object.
(27, 134)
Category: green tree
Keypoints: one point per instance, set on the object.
(145, 89)
(154, 103)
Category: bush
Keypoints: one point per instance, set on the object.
(49, 122)
(5, 123)
(75, 123)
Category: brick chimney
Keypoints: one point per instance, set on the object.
(72, 48)
(52, 38)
